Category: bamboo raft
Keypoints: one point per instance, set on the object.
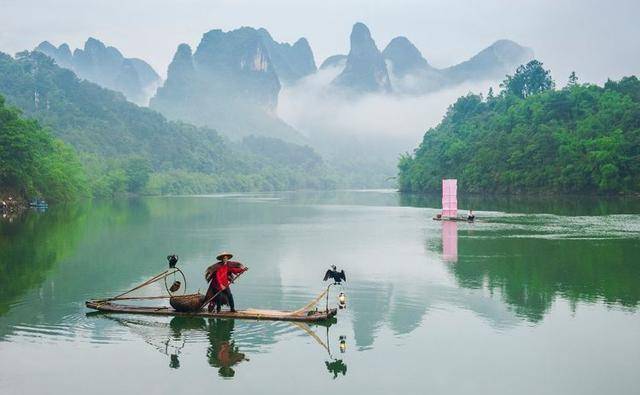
(248, 314)
(192, 305)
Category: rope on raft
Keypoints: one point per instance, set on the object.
(311, 304)
(152, 280)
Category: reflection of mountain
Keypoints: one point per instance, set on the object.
(369, 305)
(407, 310)
(531, 272)
(403, 307)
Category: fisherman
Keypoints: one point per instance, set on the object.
(220, 275)
(471, 217)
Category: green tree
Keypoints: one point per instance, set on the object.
(580, 140)
(528, 80)
(137, 171)
(573, 79)
(490, 95)
(34, 163)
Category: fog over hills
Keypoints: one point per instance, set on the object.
(363, 109)
(401, 68)
(106, 66)
(232, 81)
(355, 108)
(364, 70)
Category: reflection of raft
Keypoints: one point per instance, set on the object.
(250, 314)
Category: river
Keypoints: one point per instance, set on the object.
(539, 296)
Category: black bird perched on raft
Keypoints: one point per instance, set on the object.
(337, 276)
(173, 259)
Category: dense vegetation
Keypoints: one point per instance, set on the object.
(34, 163)
(532, 138)
(129, 149)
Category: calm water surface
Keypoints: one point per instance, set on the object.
(540, 297)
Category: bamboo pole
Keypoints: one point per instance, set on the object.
(311, 304)
(137, 298)
(151, 280)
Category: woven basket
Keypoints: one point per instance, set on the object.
(187, 303)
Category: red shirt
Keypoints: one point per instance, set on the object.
(224, 271)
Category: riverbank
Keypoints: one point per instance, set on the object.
(11, 203)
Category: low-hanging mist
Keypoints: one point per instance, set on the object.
(320, 112)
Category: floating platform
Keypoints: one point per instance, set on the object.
(248, 314)
(459, 219)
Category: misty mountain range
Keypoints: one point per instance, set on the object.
(232, 80)
(107, 67)
(402, 69)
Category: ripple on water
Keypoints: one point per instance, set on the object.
(550, 226)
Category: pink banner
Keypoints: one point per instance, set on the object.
(449, 198)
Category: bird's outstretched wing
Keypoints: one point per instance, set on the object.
(327, 275)
(343, 276)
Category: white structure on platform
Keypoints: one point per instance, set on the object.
(449, 198)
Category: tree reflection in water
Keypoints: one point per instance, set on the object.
(532, 261)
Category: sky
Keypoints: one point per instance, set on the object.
(597, 39)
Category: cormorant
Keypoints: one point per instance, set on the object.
(337, 276)
(173, 259)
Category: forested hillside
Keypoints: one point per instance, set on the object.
(532, 138)
(126, 148)
(34, 163)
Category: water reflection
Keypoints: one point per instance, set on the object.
(557, 204)
(31, 244)
(450, 241)
(336, 367)
(369, 306)
(530, 270)
(474, 287)
(170, 339)
(223, 352)
(224, 344)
